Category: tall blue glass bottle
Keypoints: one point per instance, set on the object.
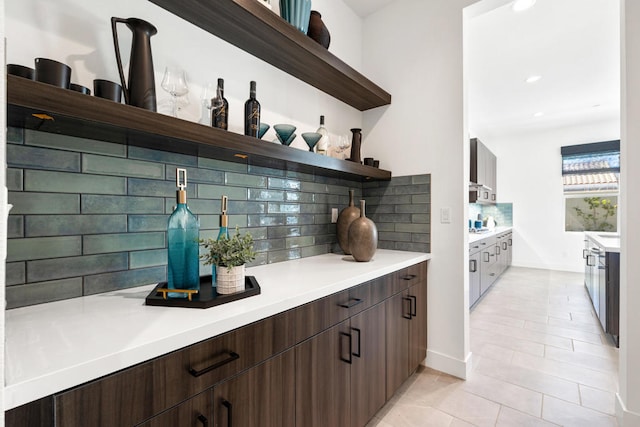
(182, 243)
(223, 233)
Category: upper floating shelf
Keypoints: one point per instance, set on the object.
(262, 33)
(39, 106)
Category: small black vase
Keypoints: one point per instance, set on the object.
(317, 30)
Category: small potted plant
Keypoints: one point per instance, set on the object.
(229, 255)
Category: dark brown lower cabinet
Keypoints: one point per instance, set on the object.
(323, 378)
(195, 412)
(417, 325)
(368, 364)
(262, 396)
(406, 334)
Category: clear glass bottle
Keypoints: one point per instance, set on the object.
(183, 270)
(223, 233)
(252, 113)
(323, 143)
(220, 108)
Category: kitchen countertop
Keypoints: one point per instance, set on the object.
(474, 237)
(52, 347)
(609, 241)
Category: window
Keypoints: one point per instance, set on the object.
(590, 178)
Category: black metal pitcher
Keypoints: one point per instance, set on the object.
(141, 90)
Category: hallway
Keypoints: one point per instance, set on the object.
(539, 359)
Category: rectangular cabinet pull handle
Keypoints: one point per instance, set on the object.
(355, 302)
(414, 306)
(203, 420)
(350, 359)
(403, 312)
(232, 356)
(229, 407)
(358, 354)
(409, 277)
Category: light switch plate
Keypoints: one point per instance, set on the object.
(445, 215)
(334, 215)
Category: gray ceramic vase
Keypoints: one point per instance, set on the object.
(363, 237)
(346, 217)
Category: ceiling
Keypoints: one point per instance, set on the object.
(574, 45)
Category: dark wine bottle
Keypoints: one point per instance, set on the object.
(220, 108)
(252, 113)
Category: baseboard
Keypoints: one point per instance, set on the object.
(449, 365)
(625, 418)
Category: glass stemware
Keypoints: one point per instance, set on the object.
(285, 133)
(211, 99)
(311, 138)
(175, 82)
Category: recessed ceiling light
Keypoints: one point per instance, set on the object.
(533, 79)
(538, 114)
(520, 5)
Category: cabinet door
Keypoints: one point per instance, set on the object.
(322, 378)
(418, 325)
(486, 272)
(398, 315)
(368, 393)
(262, 396)
(474, 278)
(195, 412)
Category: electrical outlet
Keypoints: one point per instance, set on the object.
(445, 215)
(334, 215)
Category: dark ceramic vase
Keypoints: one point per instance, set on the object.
(346, 217)
(363, 237)
(356, 142)
(317, 30)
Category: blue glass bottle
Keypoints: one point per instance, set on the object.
(182, 243)
(224, 233)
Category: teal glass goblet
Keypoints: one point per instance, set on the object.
(285, 133)
(311, 138)
(263, 129)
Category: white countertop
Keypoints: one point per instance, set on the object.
(609, 241)
(474, 237)
(55, 346)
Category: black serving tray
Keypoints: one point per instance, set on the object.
(206, 298)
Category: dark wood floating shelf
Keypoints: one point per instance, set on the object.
(35, 105)
(262, 33)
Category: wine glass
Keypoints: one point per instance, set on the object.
(175, 82)
(343, 144)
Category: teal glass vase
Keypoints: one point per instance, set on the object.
(182, 240)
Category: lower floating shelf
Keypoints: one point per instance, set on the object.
(207, 297)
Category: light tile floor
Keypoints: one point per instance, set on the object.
(540, 358)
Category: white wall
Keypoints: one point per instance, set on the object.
(414, 49)
(530, 177)
(628, 402)
(78, 33)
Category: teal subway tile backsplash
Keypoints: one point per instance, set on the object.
(106, 282)
(58, 268)
(71, 143)
(38, 293)
(104, 165)
(91, 216)
(43, 247)
(93, 204)
(105, 243)
(44, 203)
(14, 179)
(63, 182)
(23, 156)
(68, 225)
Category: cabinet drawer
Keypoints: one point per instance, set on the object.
(316, 316)
(410, 276)
(370, 293)
(195, 412)
(135, 394)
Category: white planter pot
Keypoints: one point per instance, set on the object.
(230, 281)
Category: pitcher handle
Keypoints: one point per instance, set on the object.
(114, 31)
